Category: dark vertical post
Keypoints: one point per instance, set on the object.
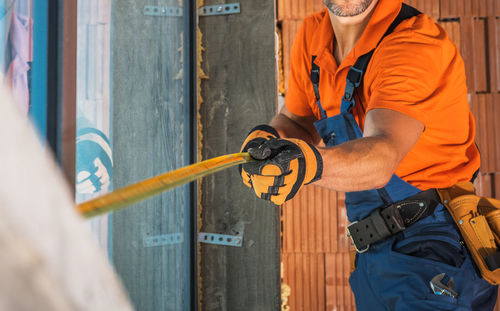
(190, 151)
(240, 92)
(53, 61)
(67, 92)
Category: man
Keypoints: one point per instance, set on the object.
(384, 88)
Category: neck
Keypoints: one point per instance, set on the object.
(348, 30)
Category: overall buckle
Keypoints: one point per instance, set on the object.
(353, 242)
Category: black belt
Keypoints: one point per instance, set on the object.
(385, 222)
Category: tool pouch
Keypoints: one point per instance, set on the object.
(478, 219)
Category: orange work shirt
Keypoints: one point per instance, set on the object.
(416, 70)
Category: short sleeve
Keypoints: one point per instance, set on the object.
(408, 73)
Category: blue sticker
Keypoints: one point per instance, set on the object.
(94, 161)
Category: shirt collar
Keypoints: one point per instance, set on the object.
(322, 41)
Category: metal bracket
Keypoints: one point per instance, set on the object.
(219, 9)
(173, 11)
(158, 10)
(162, 240)
(220, 239)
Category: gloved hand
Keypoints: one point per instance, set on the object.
(283, 166)
(257, 136)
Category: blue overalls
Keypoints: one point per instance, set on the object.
(394, 274)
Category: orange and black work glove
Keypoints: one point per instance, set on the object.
(283, 167)
(257, 136)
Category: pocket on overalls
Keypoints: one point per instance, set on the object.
(427, 254)
(434, 246)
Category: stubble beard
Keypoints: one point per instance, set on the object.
(347, 10)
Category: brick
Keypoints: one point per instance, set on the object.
(483, 185)
(495, 117)
(338, 292)
(444, 9)
(452, 28)
(480, 55)
(494, 52)
(280, 9)
(305, 274)
(494, 73)
(496, 188)
(310, 221)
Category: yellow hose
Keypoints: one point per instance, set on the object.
(150, 187)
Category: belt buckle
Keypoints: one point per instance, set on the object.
(352, 240)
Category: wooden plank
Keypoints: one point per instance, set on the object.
(68, 90)
(239, 94)
(50, 261)
(148, 119)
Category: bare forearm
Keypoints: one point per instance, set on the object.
(361, 164)
(289, 125)
(286, 127)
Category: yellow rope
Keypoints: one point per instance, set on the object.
(150, 187)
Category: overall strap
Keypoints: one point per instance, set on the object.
(315, 82)
(355, 77)
(356, 72)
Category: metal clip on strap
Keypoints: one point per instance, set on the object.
(379, 225)
(383, 223)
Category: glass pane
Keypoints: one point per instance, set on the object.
(131, 126)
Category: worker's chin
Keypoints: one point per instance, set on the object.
(347, 8)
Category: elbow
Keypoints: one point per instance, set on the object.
(390, 160)
(386, 171)
(382, 180)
